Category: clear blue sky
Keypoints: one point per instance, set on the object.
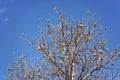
(17, 16)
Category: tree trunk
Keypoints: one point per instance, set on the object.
(73, 71)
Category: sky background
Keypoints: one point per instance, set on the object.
(17, 16)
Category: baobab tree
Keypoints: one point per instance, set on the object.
(68, 50)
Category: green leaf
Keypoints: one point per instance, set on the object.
(21, 54)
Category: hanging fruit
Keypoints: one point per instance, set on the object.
(77, 33)
(95, 55)
(95, 24)
(99, 51)
(24, 77)
(74, 52)
(100, 59)
(70, 27)
(81, 25)
(61, 62)
(42, 46)
(38, 48)
(39, 75)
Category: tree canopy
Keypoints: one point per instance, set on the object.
(68, 50)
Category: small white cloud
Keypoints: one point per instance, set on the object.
(5, 19)
(2, 10)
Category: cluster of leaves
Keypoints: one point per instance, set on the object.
(69, 51)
